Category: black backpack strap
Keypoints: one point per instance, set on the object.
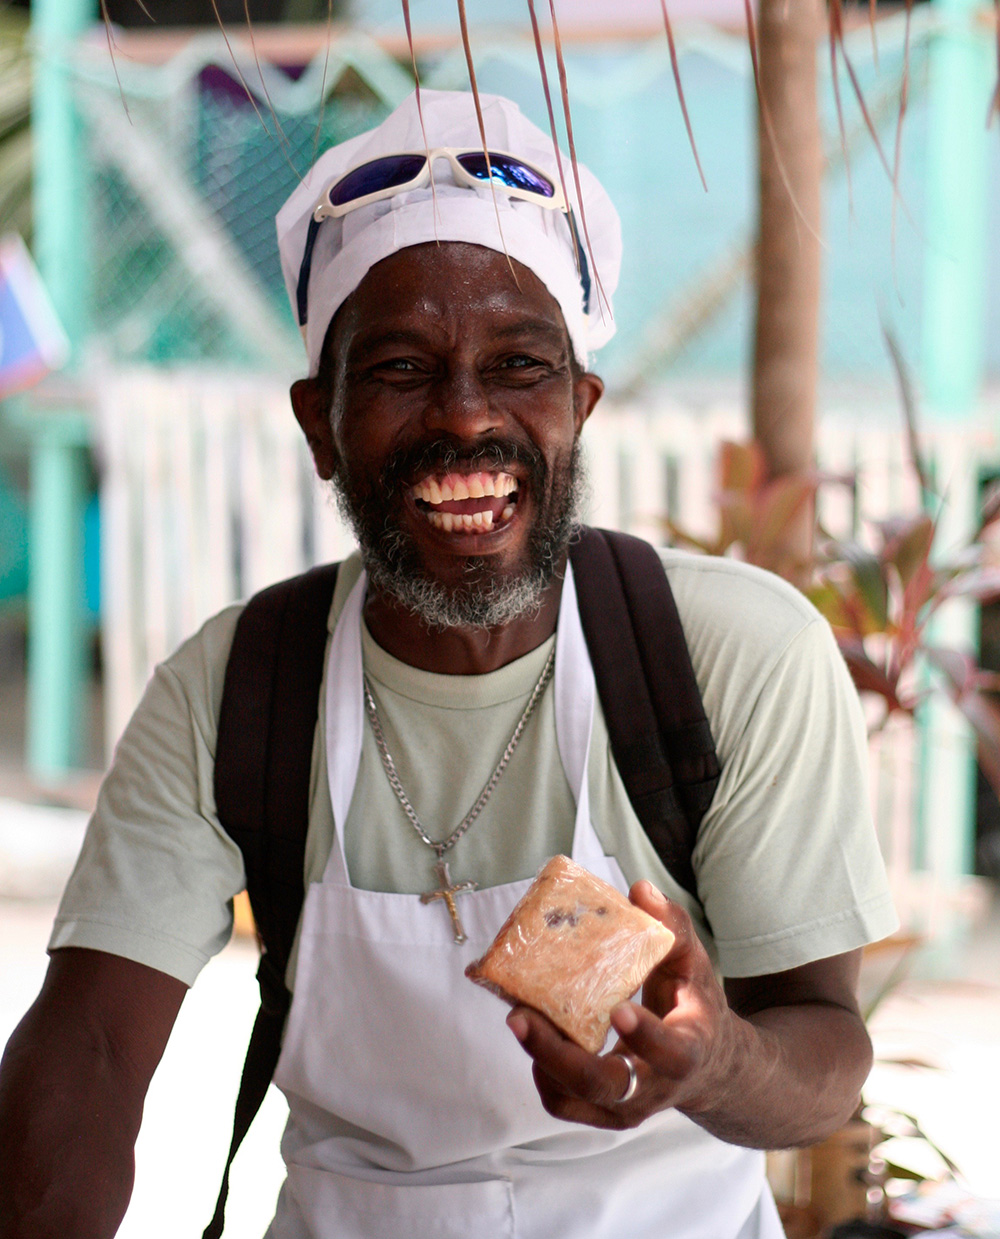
(660, 737)
(262, 798)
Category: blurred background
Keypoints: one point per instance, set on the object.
(804, 374)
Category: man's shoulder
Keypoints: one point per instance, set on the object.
(713, 592)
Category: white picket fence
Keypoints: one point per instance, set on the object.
(208, 494)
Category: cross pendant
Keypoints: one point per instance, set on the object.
(448, 892)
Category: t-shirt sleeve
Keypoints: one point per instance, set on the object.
(788, 863)
(157, 874)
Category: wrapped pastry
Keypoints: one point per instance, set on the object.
(573, 948)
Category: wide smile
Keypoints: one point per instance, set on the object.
(467, 503)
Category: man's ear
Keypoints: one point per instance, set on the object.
(587, 390)
(311, 401)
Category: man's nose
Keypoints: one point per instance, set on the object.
(460, 405)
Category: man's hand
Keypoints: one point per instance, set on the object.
(769, 1062)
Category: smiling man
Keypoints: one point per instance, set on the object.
(459, 742)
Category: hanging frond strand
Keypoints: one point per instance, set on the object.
(904, 99)
(836, 28)
(680, 90)
(564, 92)
(765, 113)
(463, 22)
(544, 74)
(994, 108)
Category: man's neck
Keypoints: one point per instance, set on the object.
(459, 651)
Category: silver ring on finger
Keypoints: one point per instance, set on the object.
(633, 1081)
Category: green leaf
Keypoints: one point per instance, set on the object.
(908, 545)
(868, 576)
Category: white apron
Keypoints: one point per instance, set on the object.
(445, 1135)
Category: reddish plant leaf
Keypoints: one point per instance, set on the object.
(989, 508)
(909, 403)
(742, 467)
(778, 505)
(680, 537)
(982, 584)
(982, 711)
(870, 678)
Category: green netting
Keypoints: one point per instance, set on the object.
(236, 166)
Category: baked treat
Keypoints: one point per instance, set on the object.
(573, 948)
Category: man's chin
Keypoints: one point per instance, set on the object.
(483, 599)
(445, 583)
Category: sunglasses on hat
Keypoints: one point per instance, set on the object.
(395, 174)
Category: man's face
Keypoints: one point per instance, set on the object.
(447, 413)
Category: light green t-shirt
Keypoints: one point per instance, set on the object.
(787, 861)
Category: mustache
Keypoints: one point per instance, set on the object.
(492, 454)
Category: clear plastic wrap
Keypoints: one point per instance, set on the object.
(573, 948)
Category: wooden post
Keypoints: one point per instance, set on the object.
(786, 335)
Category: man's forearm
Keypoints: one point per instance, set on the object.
(73, 1082)
(68, 1122)
(787, 1076)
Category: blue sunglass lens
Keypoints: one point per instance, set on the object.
(509, 172)
(372, 177)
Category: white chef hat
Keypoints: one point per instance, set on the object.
(346, 248)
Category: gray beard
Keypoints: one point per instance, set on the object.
(484, 599)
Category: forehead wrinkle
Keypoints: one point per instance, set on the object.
(397, 302)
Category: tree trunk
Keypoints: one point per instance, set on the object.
(786, 336)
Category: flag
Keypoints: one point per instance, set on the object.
(32, 340)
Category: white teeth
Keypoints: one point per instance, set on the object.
(507, 513)
(455, 522)
(475, 486)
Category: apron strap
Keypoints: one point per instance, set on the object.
(270, 702)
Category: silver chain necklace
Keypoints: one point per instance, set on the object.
(448, 890)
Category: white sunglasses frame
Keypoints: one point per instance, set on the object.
(325, 209)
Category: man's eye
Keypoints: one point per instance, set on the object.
(519, 361)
